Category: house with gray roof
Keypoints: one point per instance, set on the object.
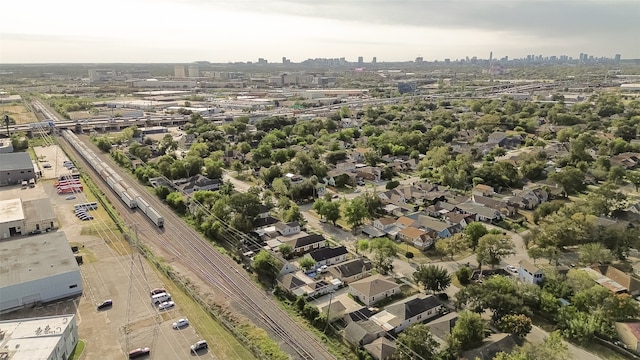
(416, 309)
(351, 270)
(373, 289)
(360, 333)
(329, 256)
(381, 348)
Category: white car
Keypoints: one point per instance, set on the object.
(180, 323)
(512, 268)
(166, 305)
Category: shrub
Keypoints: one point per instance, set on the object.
(409, 255)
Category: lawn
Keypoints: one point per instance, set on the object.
(20, 114)
(78, 350)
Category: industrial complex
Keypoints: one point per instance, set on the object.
(19, 217)
(36, 270)
(52, 337)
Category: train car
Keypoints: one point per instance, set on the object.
(142, 205)
(111, 182)
(155, 217)
(127, 199)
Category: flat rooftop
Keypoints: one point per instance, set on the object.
(38, 210)
(35, 257)
(34, 338)
(15, 161)
(11, 210)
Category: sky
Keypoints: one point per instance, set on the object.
(220, 31)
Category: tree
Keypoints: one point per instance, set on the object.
(492, 248)
(384, 249)
(517, 324)
(468, 332)
(355, 212)
(266, 266)
(594, 253)
(286, 250)
(570, 178)
(362, 246)
(434, 278)
(464, 275)
(634, 178)
(103, 143)
(474, 231)
(552, 348)
(451, 245)
(307, 263)
(416, 342)
(332, 212)
(177, 202)
(293, 214)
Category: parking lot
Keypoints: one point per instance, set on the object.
(111, 269)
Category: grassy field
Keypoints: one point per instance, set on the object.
(77, 352)
(20, 114)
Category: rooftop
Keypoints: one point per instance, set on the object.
(374, 285)
(38, 210)
(35, 257)
(11, 210)
(34, 338)
(15, 161)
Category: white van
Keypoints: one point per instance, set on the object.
(160, 298)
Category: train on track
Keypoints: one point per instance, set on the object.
(126, 193)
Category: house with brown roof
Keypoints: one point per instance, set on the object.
(381, 348)
(371, 173)
(627, 160)
(460, 219)
(483, 190)
(629, 334)
(373, 289)
(419, 238)
(630, 283)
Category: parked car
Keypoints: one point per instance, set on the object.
(105, 304)
(139, 352)
(47, 166)
(158, 291)
(70, 197)
(180, 323)
(202, 344)
(512, 269)
(166, 305)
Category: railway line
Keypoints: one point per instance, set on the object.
(184, 245)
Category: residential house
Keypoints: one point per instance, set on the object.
(483, 190)
(351, 270)
(491, 346)
(380, 227)
(198, 182)
(502, 206)
(347, 166)
(629, 334)
(481, 212)
(306, 243)
(230, 156)
(332, 175)
(529, 273)
(419, 238)
(373, 289)
(294, 179)
(359, 333)
(381, 348)
(458, 219)
(531, 198)
(286, 229)
(441, 327)
(627, 281)
(371, 173)
(505, 140)
(416, 309)
(441, 228)
(329, 256)
(300, 284)
(358, 153)
(627, 160)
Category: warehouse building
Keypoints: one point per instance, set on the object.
(51, 337)
(28, 217)
(15, 167)
(36, 270)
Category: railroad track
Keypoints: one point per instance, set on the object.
(186, 247)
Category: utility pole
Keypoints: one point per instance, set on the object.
(328, 312)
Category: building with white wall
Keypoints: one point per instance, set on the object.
(28, 217)
(36, 270)
(42, 338)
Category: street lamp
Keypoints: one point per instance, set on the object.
(328, 311)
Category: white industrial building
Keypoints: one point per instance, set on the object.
(43, 338)
(36, 270)
(28, 217)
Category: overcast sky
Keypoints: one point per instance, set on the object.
(182, 31)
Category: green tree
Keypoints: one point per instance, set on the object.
(594, 253)
(452, 245)
(517, 324)
(162, 192)
(332, 212)
(307, 263)
(464, 275)
(177, 202)
(286, 250)
(552, 348)
(104, 144)
(383, 249)
(468, 332)
(434, 278)
(474, 231)
(355, 212)
(416, 342)
(266, 266)
(634, 178)
(362, 246)
(571, 179)
(492, 248)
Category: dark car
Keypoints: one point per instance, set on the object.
(158, 291)
(105, 304)
(202, 344)
(139, 352)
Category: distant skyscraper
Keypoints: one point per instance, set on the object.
(419, 60)
(179, 71)
(194, 71)
(360, 60)
(490, 56)
(374, 60)
(285, 60)
(617, 58)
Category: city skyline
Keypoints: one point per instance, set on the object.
(168, 31)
